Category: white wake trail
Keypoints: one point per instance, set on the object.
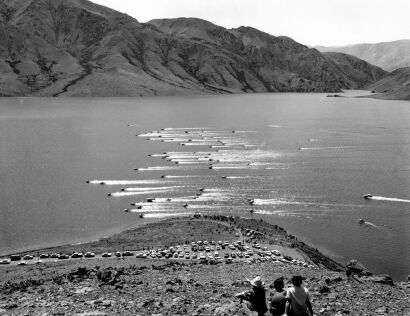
(383, 198)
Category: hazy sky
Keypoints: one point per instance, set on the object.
(311, 22)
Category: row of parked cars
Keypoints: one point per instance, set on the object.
(215, 246)
(203, 251)
(22, 260)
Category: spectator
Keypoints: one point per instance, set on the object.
(255, 298)
(298, 302)
(278, 299)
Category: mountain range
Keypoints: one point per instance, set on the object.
(387, 55)
(391, 56)
(78, 48)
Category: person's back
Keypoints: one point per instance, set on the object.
(278, 299)
(258, 300)
(297, 296)
(298, 299)
(255, 298)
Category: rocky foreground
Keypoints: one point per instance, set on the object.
(142, 286)
(175, 288)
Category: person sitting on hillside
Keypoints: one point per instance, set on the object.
(298, 302)
(255, 298)
(278, 298)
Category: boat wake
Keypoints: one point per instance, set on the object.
(388, 199)
(273, 202)
(126, 182)
(324, 148)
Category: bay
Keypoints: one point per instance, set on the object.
(304, 159)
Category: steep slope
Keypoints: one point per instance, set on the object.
(280, 63)
(387, 55)
(77, 48)
(394, 86)
(355, 69)
(56, 47)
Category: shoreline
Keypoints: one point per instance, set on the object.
(161, 285)
(124, 239)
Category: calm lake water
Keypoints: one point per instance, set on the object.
(302, 161)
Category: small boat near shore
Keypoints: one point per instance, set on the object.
(367, 196)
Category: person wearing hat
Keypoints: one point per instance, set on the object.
(255, 298)
(298, 302)
(278, 298)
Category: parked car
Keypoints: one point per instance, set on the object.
(28, 257)
(106, 255)
(15, 258)
(5, 261)
(63, 256)
(89, 255)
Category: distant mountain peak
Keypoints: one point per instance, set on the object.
(387, 55)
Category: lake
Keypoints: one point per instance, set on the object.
(302, 161)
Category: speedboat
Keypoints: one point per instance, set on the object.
(361, 221)
(367, 196)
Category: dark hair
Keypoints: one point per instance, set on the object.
(278, 284)
(297, 280)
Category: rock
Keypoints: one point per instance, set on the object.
(201, 309)
(240, 283)
(384, 279)
(158, 304)
(10, 306)
(84, 290)
(382, 310)
(356, 267)
(226, 309)
(107, 303)
(324, 289)
(336, 279)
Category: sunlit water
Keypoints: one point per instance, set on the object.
(302, 161)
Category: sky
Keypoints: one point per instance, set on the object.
(310, 22)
